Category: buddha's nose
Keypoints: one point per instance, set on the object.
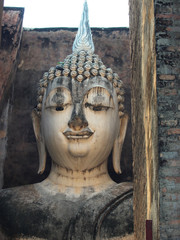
(78, 120)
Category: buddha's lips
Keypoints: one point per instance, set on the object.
(84, 134)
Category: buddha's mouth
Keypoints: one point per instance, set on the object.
(83, 134)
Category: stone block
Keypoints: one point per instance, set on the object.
(166, 77)
(173, 131)
(168, 92)
(172, 197)
(170, 171)
(169, 123)
(168, 155)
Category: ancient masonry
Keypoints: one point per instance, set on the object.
(167, 34)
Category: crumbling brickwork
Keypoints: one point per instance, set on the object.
(167, 14)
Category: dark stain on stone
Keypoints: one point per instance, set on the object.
(118, 60)
(97, 33)
(54, 45)
(7, 38)
(25, 46)
(45, 42)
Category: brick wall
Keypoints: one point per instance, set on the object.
(167, 14)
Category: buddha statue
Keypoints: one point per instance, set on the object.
(79, 120)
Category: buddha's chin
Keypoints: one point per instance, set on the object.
(77, 150)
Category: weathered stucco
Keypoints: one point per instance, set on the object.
(10, 42)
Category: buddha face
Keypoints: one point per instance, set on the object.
(79, 121)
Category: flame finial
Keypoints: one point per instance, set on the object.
(83, 40)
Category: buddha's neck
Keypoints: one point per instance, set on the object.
(95, 178)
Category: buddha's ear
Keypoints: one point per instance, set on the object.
(40, 141)
(118, 143)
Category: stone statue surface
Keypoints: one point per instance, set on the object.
(79, 120)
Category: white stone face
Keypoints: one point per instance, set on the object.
(80, 122)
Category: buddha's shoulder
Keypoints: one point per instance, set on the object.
(16, 194)
(33, 211)
(18, 201)
(31, 197)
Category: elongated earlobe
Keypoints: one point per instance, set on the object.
(40, 141)
(118, 144)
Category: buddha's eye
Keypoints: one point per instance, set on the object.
(96, 107)
(59, 108)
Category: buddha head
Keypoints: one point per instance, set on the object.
(79, 118)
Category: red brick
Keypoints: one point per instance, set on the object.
(173, 29)
(172, 131)
(171, 197)
(171, 49)
(175, 222)
(174, 163)
(164, 190)
(174, 179)
(169, 123)
(3, 134)
(167, 77)
(168, 92)
(168, 16)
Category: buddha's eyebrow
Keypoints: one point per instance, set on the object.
(99, 98)
(59, 95)
(99, 95)
(98, 90)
